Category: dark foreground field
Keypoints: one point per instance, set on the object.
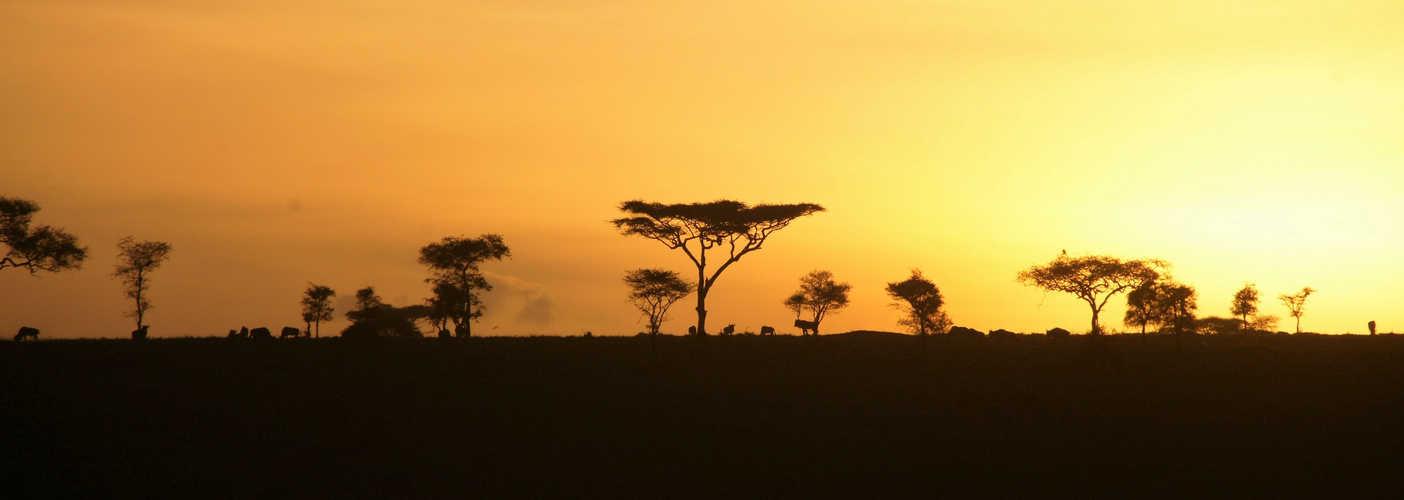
(849, 416)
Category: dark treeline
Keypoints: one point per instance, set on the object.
(725, 230)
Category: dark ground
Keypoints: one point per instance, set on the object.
(849, 416)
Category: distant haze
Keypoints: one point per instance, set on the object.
(275, 143)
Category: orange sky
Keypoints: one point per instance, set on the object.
(273, 145)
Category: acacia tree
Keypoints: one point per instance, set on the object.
(42, 248)
(454, 263)
(1296, 304)
(653, 292)
(1245, 303)
(820, 295)
(1092, 278)
(1141, 304)
(920, 301)
(725, 226)
(372, 317)
(316, 306)
(135, 262)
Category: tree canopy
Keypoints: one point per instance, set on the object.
(372, 318)
(1245, 303)
(454, 262)
(819, 294)
(654, 291)
(920, 301)
(1296, 304)
(135, 261)
(316, 305)
(43, 248)
(1092, 278)
(727, 226)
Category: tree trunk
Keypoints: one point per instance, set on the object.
(1299, 325)
(701, 303)
(1095, 329)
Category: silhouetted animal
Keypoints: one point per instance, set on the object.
(1058, 333)
(32, 333)
(730, 329)
(807, 326)
(140, 333)
(692, 330)
(960, 331)
(239, 334)
(767, 330)
(260, 333)
(289, 331)
(1372, 328)
(1001, 334)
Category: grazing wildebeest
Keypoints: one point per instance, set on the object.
(289, 331)
(140, 333)
(260, 333)
(234, 334)
(692, 330)
(806, 327)
(767, 330)
(26, 331)
(730, 329)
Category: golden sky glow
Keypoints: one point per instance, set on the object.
(275, 144)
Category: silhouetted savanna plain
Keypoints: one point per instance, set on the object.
(856, 415)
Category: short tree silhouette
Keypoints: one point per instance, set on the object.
(1092, 278)
(454, 263)
(42, 248)
(653, 292)
(920, 301)
(696, 228)
(373, 318)
(819, 294)
(1296, 304)
(135, 262)
(1264, 323)
(316, 306)
(1245, 303)
(1141, 306)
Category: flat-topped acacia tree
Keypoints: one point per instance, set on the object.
(42, 248)
(1093, 278)
(727, 226)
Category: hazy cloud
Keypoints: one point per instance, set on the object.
(527, 303)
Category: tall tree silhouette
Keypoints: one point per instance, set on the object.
(920, 301)
(727, 226)
(1092, 278)
(457, 281)
(135, 262)
(1296, 304)
(1245, 303)
(316, 306)
(819, 294)
(653, 292)
(42, 248)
